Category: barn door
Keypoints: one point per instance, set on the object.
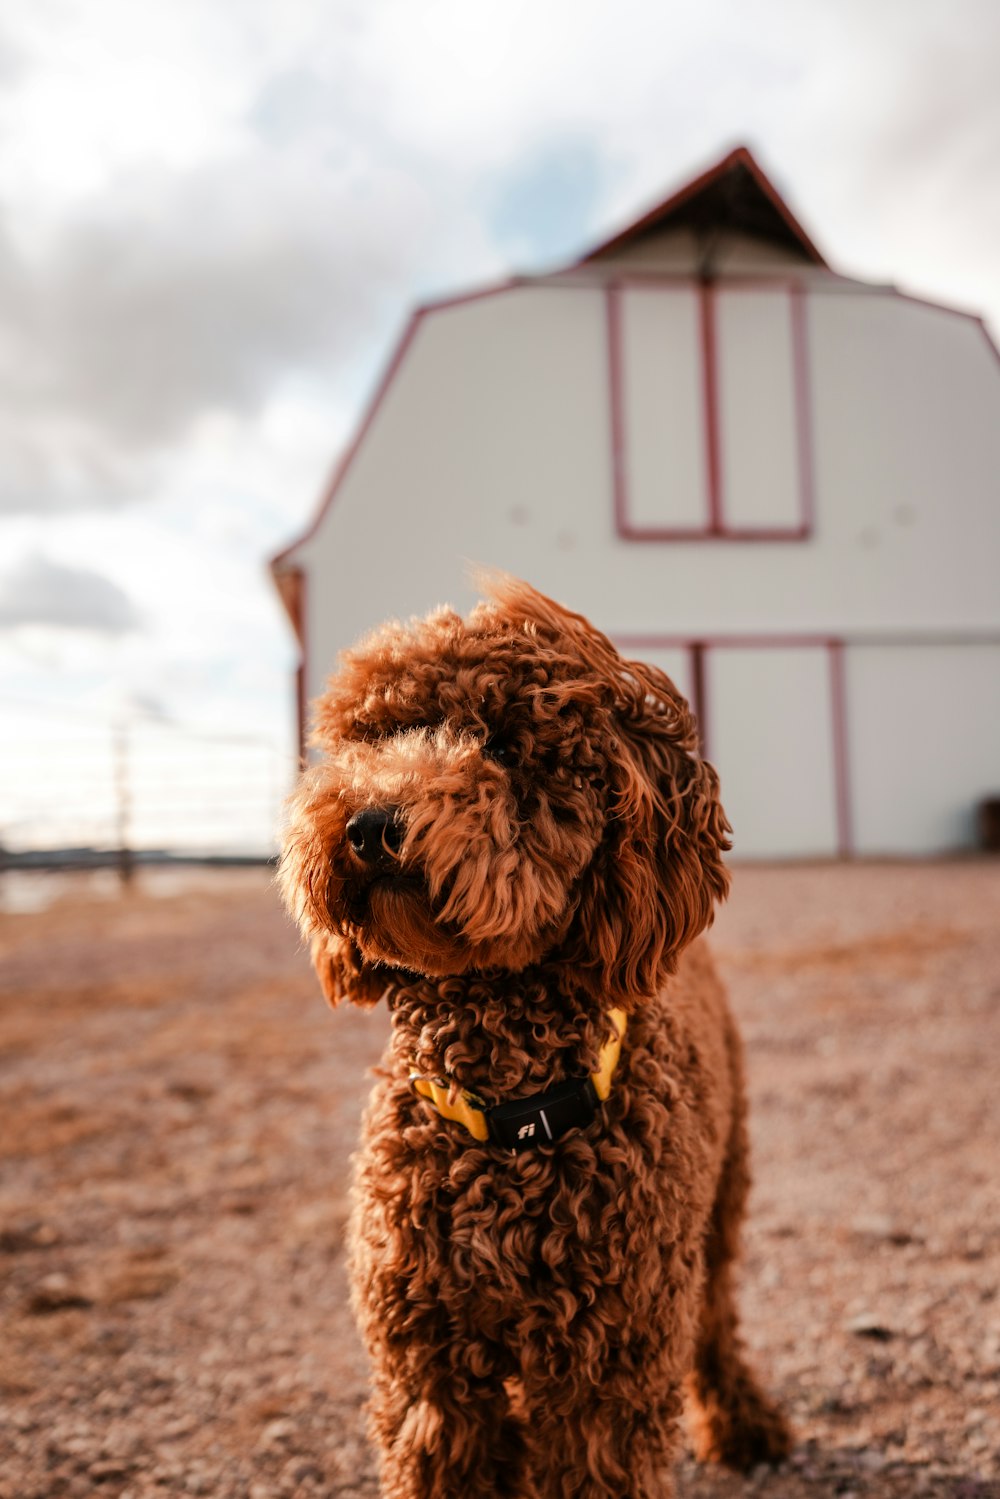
(770, 733)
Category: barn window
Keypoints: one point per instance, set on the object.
(710, 419)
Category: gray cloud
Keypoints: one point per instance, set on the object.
(41, 592)
(180, 295)
(360, 179)
(209, 289)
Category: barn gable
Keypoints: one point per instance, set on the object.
(730, 213)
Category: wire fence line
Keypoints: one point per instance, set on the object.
(90, 789)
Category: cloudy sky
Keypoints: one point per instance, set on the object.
(214, 218)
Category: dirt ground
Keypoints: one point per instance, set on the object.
(177, 1110)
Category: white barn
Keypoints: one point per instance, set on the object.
(778, 483)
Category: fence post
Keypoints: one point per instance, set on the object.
(123, 803)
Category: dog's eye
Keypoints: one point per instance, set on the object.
(497, 749)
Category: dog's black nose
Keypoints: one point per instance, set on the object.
(375, 836)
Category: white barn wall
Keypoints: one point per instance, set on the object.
(906, 436)
(490, 446)
(924, 743)
(493, 443)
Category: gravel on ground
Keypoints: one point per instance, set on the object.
(177, 1113)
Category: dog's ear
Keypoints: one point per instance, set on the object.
(654, 881)
(653, 884)
(343, 974)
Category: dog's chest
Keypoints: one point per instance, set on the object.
(526, 1237)
(481, 1233)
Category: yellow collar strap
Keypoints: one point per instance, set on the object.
(534, 1120)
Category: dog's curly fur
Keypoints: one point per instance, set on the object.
(533, 1319)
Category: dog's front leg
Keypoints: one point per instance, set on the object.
(611, 1439)
(446, 1436)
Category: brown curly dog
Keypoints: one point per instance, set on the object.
(512, 840)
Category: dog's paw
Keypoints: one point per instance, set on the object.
(743, 1433)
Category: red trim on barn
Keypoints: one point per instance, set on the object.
(302, 675)
(640, 641)
(763, 639)
(699, 692)
(300, 710)
(710, 407)
(803, 407)
(960, 312)
(841, 750)
(613, 310)
(705, 533)
(983, 328)
(479, 294)
(301, 628)
(670, 208)
(291, 584)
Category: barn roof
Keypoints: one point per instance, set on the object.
(733, 195)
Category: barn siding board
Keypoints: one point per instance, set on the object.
(771, 738)
(663, 423)
(924, 736)
(761, 467)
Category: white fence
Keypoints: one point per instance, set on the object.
(85, 785)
